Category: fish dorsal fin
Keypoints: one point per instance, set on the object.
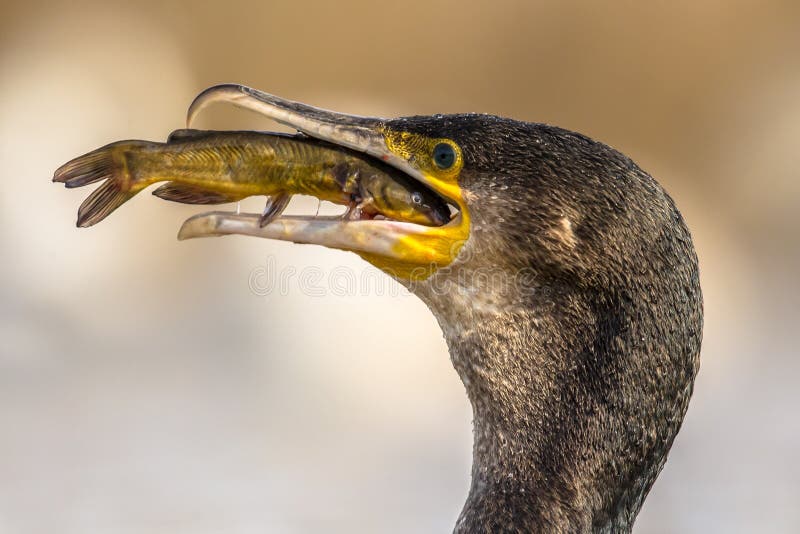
(190, 134)
(192, 194)
(275, 206)
(186, 134)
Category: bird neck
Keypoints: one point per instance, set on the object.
(578, 382)
(542, 458)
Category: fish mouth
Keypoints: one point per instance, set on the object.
(405, 250)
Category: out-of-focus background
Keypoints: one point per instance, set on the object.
(150, 385)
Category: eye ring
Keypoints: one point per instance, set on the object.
(416, 197)
(444, 156)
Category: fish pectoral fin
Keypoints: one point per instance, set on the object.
(192, 194)
(274, 207)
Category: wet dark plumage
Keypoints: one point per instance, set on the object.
(580, 351)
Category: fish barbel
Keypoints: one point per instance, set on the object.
(215, 167)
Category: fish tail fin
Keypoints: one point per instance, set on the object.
(87, 169)
(97, 165)
(101, 203)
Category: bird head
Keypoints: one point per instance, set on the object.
(524, 197)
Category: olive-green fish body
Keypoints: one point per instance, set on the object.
(217, 167)
(238, 166)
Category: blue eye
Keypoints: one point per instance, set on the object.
(444, 156)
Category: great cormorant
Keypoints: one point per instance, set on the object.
(566, 285)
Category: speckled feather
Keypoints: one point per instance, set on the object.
(580, 350)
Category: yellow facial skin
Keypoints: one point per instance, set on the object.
(425, 251)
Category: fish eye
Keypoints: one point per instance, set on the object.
(444, 156)
(416, 198)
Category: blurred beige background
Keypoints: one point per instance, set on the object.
(145, 386)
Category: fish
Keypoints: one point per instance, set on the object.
(217, 167)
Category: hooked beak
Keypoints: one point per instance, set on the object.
(403, 249)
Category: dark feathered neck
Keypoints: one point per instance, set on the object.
(534, 464)
(577, 395)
